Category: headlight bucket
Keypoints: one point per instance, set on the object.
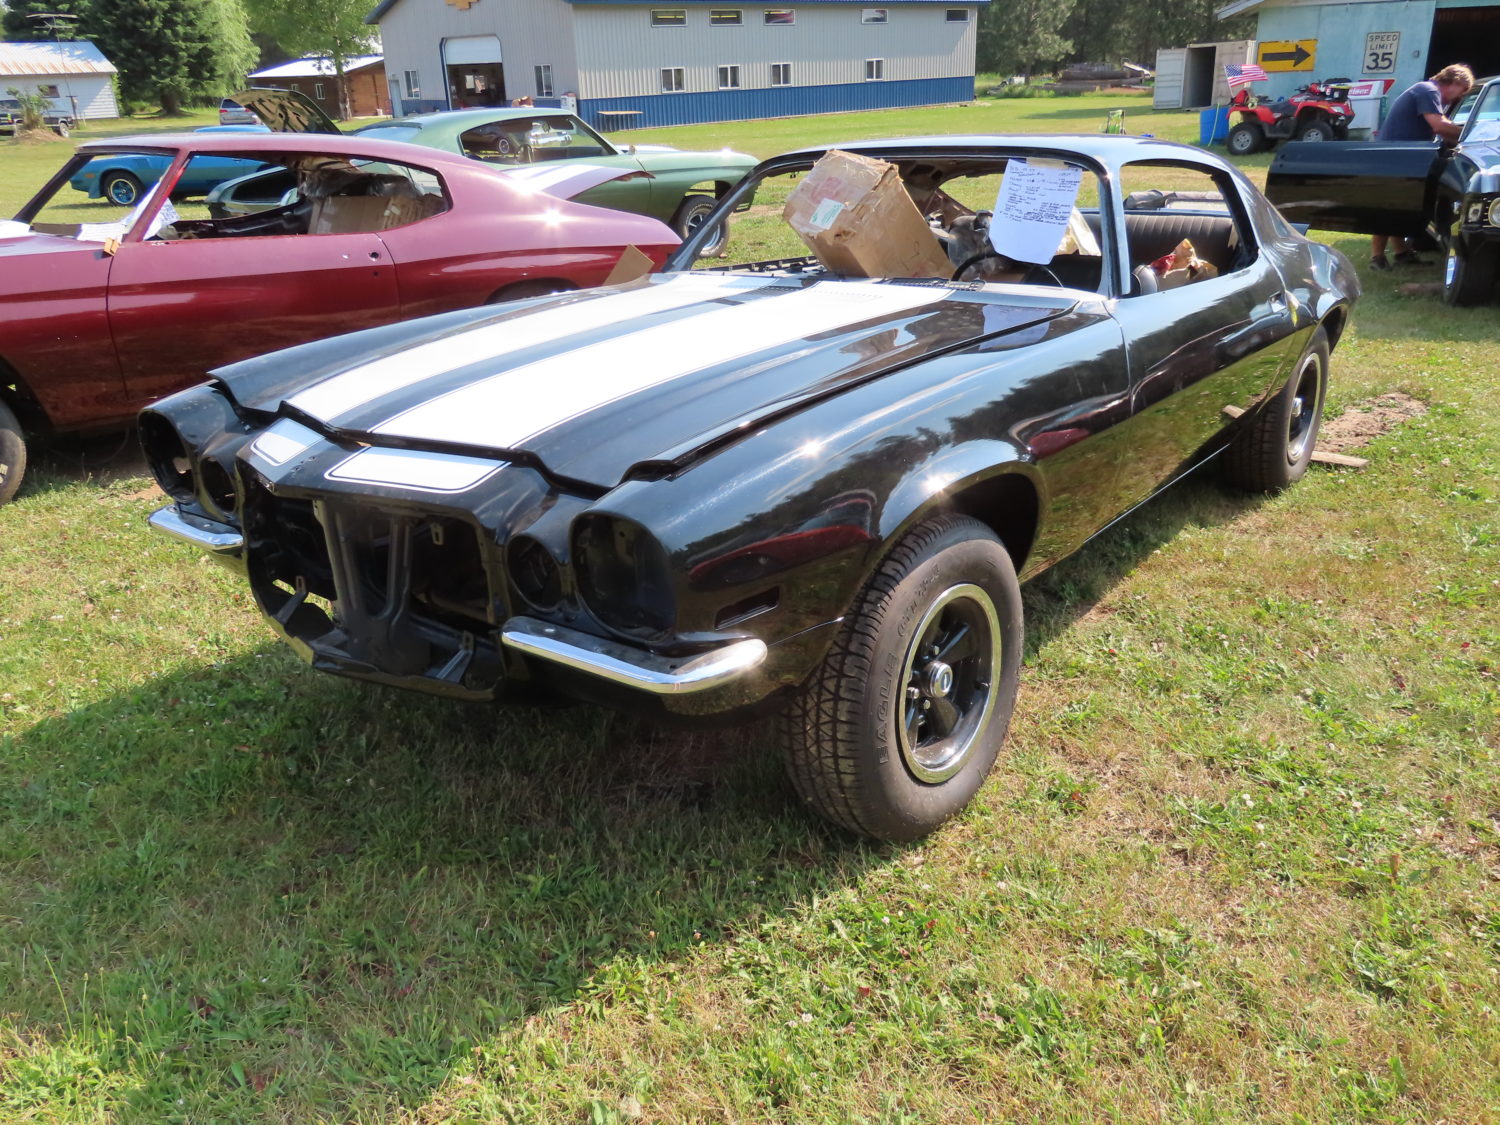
(624, 578)
(167, 456)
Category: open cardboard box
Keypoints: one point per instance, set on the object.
(855, 215)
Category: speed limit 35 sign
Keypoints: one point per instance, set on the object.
(1381, 49)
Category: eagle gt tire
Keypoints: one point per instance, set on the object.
(905, 716)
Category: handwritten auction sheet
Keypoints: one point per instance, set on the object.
(1031, 212)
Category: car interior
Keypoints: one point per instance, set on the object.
(1174, 214)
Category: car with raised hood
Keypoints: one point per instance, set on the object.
(678, 187)
(109, 306)
(1448, 194)
(777, 486)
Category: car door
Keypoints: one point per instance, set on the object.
(180, 306)
(1201, 353)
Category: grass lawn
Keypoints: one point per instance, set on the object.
(1240, 860)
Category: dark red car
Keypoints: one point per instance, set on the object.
(107, 308)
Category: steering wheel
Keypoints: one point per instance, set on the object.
(1026, 278)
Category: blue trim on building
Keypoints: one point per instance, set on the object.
(775, 101)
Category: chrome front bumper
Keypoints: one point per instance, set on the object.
(628, 666)
(210, 535)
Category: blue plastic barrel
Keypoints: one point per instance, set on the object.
(1213, 125)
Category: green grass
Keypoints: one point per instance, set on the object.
(1240, 860)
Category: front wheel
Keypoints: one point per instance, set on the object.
(691, 214)
(1274, 449)
(12, 454)
(904, 718)
(1245, 139)
(1316, 130)
(1468, 277)
(61, 129)
(121, 188)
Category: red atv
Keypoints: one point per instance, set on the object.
(1319, 111)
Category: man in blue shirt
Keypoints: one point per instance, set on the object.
(1420, 114)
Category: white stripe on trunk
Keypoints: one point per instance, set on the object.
(339, 394)
(506, 409)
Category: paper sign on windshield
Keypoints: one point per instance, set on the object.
(1032, 209)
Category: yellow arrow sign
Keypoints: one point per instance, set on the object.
(1300, 55)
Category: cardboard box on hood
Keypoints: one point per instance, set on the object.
(856, 216)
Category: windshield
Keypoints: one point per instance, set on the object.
(1484, 117)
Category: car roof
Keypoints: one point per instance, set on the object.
(276, 144)
(1105, 149)
(462, 118)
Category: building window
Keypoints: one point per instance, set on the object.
(874, 70)
(544, 81)
(958, 15)
(780, 16)
(318, 91)
(668, 17)
(47, 91)
(729, 77)
(672, 80)
(781, 74)
(874, 15)
(725, 17)
(413, 86)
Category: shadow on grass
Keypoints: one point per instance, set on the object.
(247, 883)
(64, 459)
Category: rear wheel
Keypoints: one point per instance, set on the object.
(1469, 277)
(1245, 139)
(12, 454)
(691, 214)
(1317, 129)
(61, 129)
(121, 188)
(1275, 448)
(906, 715)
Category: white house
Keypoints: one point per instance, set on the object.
(648, 62)
(74, 75)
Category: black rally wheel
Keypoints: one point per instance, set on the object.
(12, 454)
(1274, 449)
(903, 720)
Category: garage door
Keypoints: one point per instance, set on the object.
(471, 49)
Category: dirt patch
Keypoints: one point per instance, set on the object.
(37, 137)
(1363, 422)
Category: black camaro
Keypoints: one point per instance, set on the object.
(777, 486)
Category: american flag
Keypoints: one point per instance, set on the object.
(1241, 74)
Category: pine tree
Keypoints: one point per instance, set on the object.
(15, 26)
(1022, 36)
(174, 51)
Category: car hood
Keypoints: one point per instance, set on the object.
(598, 385)
(287, 111)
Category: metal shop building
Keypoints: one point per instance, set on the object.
(645, 62)
(1401, 41)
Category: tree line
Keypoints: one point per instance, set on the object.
(1039, 36)
(181, 52)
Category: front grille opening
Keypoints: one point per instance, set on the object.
(289, 537)
(449, 574)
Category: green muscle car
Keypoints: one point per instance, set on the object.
(679, 188)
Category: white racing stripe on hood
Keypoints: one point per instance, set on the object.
(505, 409)
(342, 393)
